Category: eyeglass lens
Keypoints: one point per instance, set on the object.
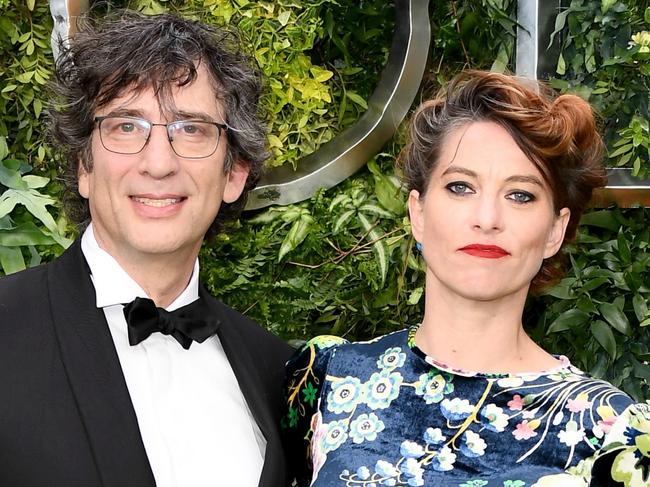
(190, 139)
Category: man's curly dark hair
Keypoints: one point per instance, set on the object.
(128, 52)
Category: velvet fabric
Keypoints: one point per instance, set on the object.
(383, 413)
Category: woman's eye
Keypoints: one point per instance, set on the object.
(459, 188)
(521, 197)
(126, 127)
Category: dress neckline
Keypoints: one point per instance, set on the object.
(565, 365)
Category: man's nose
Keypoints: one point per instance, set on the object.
(158, 158)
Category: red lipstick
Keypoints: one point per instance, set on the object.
(485, 251)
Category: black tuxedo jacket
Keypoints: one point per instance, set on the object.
(66, 418)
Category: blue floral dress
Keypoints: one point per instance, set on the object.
(382, 413)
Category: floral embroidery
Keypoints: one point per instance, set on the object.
(391, 358)
(335, 436)
(345, 395)
(525, 430)
(432, 387)
(407, 419)
(365, 428)
(382, 389)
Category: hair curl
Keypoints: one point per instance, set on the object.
(557, 133)
(130, 52)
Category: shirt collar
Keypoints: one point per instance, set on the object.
(114, 286)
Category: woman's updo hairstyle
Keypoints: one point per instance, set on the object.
(557, 133)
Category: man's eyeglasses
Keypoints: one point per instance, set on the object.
(191, 139)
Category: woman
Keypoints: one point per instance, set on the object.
(498, 176)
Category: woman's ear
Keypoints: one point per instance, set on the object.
(416, 215)
(556, 235)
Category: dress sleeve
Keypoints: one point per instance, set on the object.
(305, 377)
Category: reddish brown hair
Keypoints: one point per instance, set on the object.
(557, 133)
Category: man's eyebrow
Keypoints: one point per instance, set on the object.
(125, 112)
(183, 115)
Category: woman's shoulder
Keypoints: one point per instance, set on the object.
(320, 350)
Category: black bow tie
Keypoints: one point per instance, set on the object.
(191, 322)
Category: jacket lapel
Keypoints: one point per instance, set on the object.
(95, 375)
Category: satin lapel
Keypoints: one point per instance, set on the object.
(95, 375)
(246, 366)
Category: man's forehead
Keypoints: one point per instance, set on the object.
(200, 96)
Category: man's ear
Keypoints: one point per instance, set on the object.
(237, 176)
(416, 215)
(556, 235)
(83, 182)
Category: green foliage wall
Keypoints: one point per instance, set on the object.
(344, 261)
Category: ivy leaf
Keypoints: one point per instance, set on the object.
(615, 317)
(604, 336)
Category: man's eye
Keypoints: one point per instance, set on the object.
(126, 127)
(190, 129)
(521, 197)
(459, 188)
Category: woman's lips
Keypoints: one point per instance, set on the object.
(485, 251)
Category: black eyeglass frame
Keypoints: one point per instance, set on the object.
(221, 126)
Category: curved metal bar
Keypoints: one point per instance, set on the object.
(64, 13)
(351, 149)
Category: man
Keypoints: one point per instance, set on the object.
(159, 120)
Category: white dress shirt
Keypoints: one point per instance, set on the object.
(196, 427)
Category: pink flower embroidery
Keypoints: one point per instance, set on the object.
(578, 404)
(516, 403)
(524, 431)
(606, 424)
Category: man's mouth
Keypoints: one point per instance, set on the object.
(155, 202)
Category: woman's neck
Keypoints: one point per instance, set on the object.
(482, 336)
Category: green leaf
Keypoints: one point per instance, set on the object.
(379, 247)
(35, 182)
(11, 178)
(604, 336)
(387, 192)
(603, 219)
(569, 319)
(11, 259)
(355, 98)
(343, 219)
(616, 318)
(605, 5)
(640, 307)
(415, 296)
(283, 18)
(561, 65)
(23, 235)
(299, 230)
(4, 149)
